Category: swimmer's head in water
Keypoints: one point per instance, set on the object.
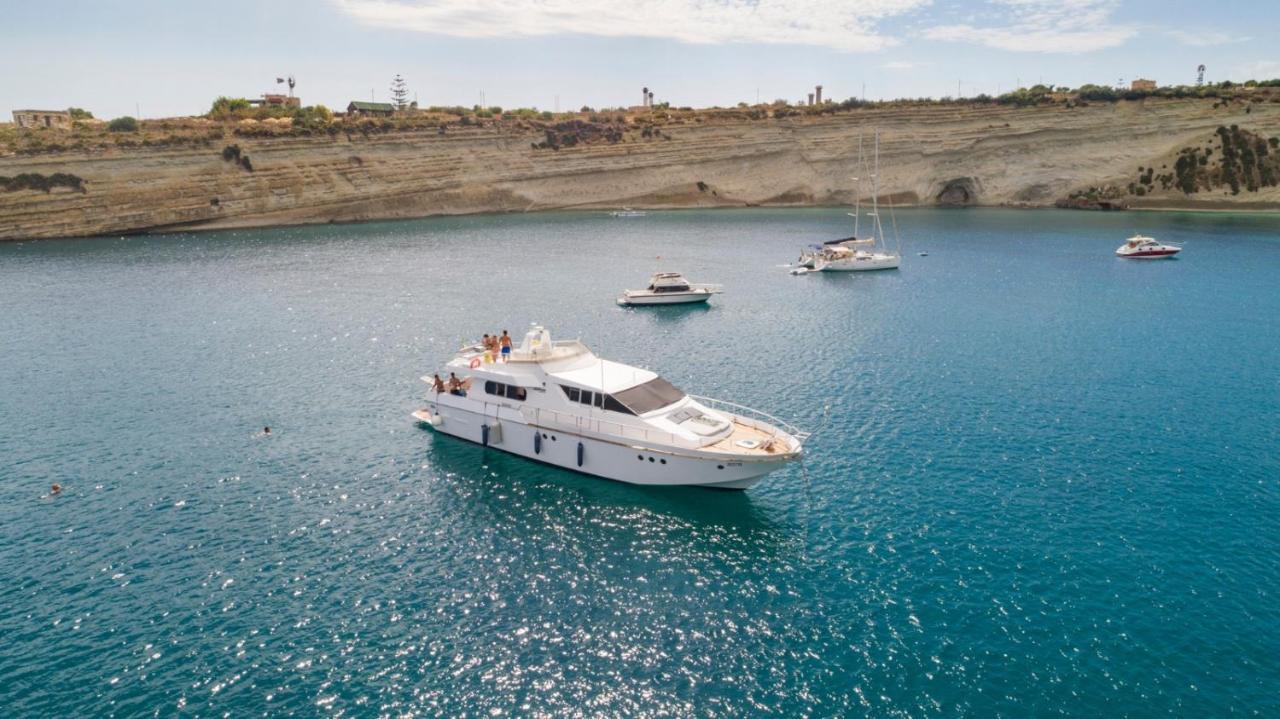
(55, 488)
(266, 430)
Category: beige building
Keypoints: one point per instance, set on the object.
(1143, 85)
(57, 119)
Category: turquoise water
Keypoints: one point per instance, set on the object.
(1048, 485)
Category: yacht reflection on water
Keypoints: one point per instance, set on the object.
(496, 483)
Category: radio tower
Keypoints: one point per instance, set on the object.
(1200, 76)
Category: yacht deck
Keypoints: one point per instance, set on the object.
(745, 432)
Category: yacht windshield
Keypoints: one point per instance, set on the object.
(654, 394)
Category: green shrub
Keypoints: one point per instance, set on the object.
(224, 106)
(123, 124)
(41, 183)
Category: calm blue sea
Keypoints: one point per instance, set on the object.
(1048, 483)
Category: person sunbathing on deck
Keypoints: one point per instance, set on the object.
(437, 384)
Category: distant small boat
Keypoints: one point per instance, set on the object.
(1139, 247)
(669, 288)
(923, 254)
(628, 212)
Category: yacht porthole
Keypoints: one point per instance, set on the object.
(651, 459)
(719, 466)
(640, 457)
(663, 461)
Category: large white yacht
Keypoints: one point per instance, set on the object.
(557, 402)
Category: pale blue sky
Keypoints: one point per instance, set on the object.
(172, 58)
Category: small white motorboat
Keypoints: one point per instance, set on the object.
(628, 212)
(1139, 247)
(669, 288)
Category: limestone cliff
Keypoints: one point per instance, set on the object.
(930, 155)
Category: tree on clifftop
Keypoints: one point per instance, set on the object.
(399, 91)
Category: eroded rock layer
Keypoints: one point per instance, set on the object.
(933, 155)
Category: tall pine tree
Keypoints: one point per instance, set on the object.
(399, 92)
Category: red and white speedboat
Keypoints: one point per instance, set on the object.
(1146, 248)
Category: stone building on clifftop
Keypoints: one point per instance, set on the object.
(56, 119)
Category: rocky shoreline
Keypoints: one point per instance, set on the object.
(953, 156)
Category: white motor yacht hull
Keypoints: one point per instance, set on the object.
(883, 262)
(665, 298)
(611, 459)
(1163, 253)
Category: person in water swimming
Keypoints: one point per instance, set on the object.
(55, 490)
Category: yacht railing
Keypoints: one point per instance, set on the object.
(540, 416)
(754, 414)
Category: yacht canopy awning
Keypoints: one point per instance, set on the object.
(604, 376)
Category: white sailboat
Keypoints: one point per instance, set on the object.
(858, 254)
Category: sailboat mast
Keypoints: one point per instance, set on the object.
(875, 192)
(857, 188)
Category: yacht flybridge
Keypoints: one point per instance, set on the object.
(669, 288)
(557, 402)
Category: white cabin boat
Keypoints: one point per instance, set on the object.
(628, 212)
(669, 288)
(557, 402)
(1139, 247)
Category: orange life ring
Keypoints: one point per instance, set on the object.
(475, 362)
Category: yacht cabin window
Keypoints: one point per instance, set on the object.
(509, 391)
(654, 394)
(595, 399)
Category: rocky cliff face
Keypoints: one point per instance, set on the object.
(930, 155)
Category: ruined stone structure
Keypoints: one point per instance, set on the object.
(56, 119)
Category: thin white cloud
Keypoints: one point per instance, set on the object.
(1057, 26)
(1207, 38)
(845, 25)
(899, 65)
(1257, 70)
